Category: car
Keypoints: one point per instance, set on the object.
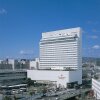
(7, 93)
(22, 90)
(15, 91)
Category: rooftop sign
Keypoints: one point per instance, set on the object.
(61, 33)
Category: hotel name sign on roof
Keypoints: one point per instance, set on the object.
(68, 33)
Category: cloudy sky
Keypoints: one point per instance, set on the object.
(23, 21)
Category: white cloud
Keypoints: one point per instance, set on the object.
(96, 47)
(21, 52)
(89, 22)
(93, 36)
(83, 31)
(26, 52)
(3, 11)
(86, 48)
(95, 30)
(92, 22)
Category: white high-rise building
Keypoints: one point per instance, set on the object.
(61, 49)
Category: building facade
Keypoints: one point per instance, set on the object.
(12, 77)
(60, 58)
(15, 64)
(34, 64)
(59, 78)
(61, 49)
(96, 88)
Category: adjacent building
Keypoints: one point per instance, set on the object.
(96, 88)
(34, 64)
(10, 77)
(15, 64)
(4, 64)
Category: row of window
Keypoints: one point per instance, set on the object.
(60, 42)
(56, 64)
(57, 41)
(60, 47)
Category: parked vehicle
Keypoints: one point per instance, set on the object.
(15, 91)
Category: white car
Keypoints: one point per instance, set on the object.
(14, 91)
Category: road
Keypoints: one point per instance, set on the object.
(1, 96)
(62, 95)
(59, 95)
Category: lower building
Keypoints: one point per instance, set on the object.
(34, 64)
(12, 77)
(96, 88)
(60, 78)
(5, 66)
(14, 64)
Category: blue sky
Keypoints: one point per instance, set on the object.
(23, 21)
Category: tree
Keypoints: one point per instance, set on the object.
(7, 98)
(96, 77)
(15, 98)
(29, 82)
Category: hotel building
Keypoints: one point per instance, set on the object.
(60, 58)
(61, 49)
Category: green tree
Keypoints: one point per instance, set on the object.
(29, 82)
(7, 98)
(15, 98)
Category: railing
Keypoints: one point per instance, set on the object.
(15, 70)
(33, 97)
(62, 95)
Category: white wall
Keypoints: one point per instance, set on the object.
(1, 61)
(96, 88)
(77, 76)
(60, 77)
(65, 32)
(12, 62)
(34, 64)
(61, 48)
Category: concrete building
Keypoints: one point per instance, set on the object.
(60, 78)
(60, 58)
(12, 62)
(4, 64)
(1, 61)
(10, 77)
(61, 49)
(34, 64)
(96, 88)
(15, 64)
(24, 63)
